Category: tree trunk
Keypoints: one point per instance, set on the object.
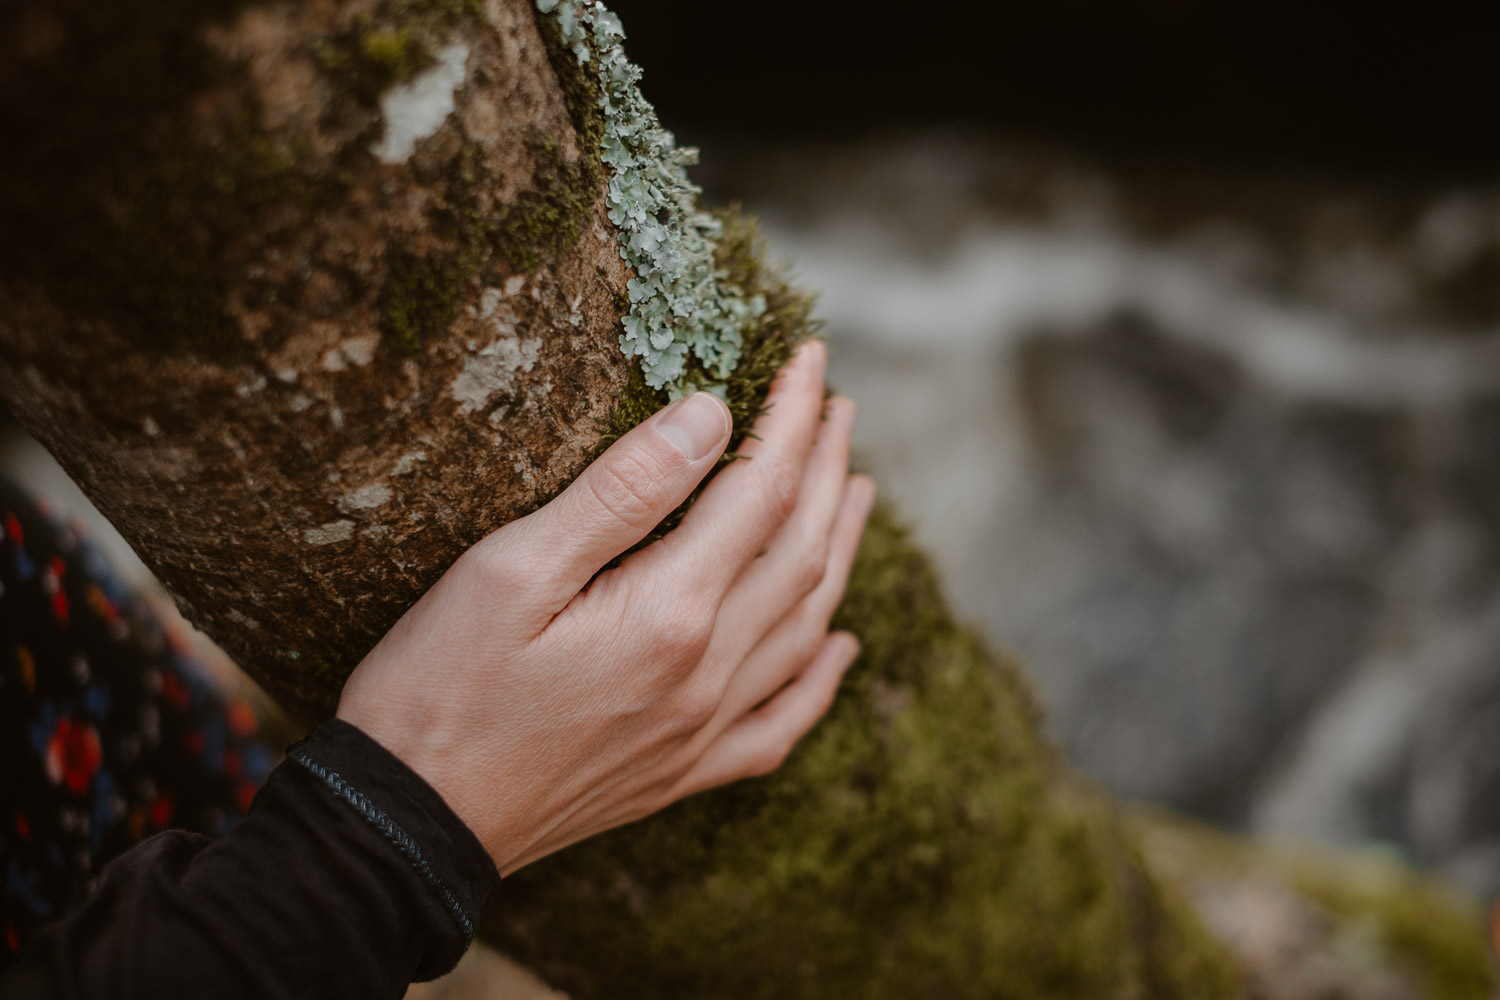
(310, 297)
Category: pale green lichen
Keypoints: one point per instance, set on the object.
(681, 306)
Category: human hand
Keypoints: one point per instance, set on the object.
(547, 704)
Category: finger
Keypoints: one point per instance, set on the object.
(794, 640)
(758, 742)
(618, 499)
(747, 501)
(796, 560)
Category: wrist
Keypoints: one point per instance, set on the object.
(425, 750)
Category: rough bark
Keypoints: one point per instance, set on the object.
(300, 370)
(302, 363)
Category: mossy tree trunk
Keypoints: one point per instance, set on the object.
(299, 355)
(310, 296)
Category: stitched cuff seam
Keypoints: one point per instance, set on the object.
(391, 830)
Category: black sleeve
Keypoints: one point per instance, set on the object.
(349, 877)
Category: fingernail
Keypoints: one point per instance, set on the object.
(695, 425)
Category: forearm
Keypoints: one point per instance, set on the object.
(350, 877)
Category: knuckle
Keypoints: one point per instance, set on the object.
(782, 486)
(684, 638)
(811, 570)
(494, 562)
(805, 646)
(629, 487)
(695, 710)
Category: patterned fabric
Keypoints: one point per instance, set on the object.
(109, 730)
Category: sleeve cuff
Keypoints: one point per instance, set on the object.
(412, 817)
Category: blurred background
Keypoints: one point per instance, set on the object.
(1175, 330)
(1176, 334)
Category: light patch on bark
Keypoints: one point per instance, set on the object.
(492, 309)
(492, 370)
(327, 534)
(416, 109)
(360, 350)
(407, 463)
(171, 464)
(367, 497)
(357, 351)
(521, 465)
(242, 618)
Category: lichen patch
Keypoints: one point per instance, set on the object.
(491, 309)
(685, 322)
(408, 463)
(492, 370)
(235, 615)
(328, 534)
(170, 464)
(366, 497)
(417, 108)
(354, 351)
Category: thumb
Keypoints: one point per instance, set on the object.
(628, 490)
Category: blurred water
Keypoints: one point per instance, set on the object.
(1220, 457)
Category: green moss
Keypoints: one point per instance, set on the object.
(1379, 918)
(546, 222)
(770, 338)
(922, 839)
(394, 55)
(422, 295)
(371, 60)
(1424, 926)
(580, 90)
(420, 298)
(390, 44)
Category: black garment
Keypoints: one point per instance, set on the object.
(349, 877)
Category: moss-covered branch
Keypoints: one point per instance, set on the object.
(923, 839)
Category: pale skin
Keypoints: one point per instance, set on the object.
(547, 701)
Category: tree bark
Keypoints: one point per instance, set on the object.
(310, 297)
(323, 366)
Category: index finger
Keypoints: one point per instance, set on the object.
(738, 512)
